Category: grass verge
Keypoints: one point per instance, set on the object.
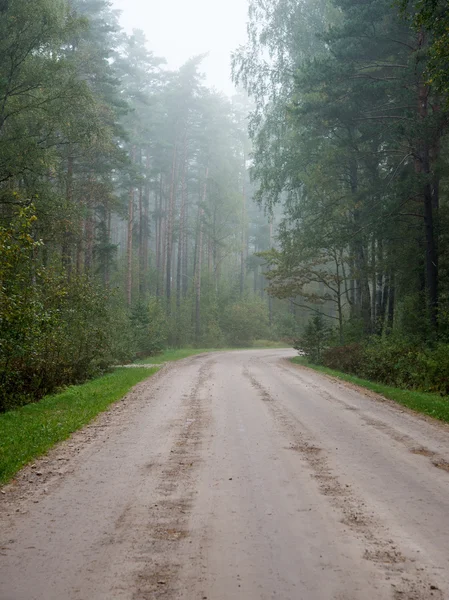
(30, 431)
(432, 405)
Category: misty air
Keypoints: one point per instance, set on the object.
(224, 300)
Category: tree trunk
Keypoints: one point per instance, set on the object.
(171, 210)
(391, 303)
(380, 309)
(90, 238)
(107, 264)
(181, 234)
(430, 199)
(164, 239)
(146, 227)
(373, 281)
(129, 278)
(66, 242)
(89, 229)
(158, 217)
(199, 262)
(243, 241)
(363, 295)
(129, 275)
(185, 250)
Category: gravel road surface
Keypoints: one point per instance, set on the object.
(235, 475)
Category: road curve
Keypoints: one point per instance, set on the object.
(235, 475)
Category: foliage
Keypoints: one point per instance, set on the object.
(351, 144)
(155, 339)
(286, 327)
(65, 332)
(126, 210)
(315, 339)
(432, 17)
(394, 362)
(245, 321)
(344, 358)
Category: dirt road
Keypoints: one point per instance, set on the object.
(235, 475)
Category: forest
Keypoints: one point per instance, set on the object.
(141, 210)
(128, 222)
(349, 132)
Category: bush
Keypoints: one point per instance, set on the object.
(54, 331)
(63, 333)
(157, 330)
(245, 321)
(388, 360)
(395, 362)
(344, 358)
(315, 339)
(285, 327)
(149, 328)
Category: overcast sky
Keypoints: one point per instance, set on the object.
(180, 29)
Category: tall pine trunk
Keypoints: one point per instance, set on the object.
(107, 262)
(243, 240)
(141, 246)
(171, 211)
(158, 216)
(362, 294)
(181, 232)
(89, 229)
(199, 262)
(129, 274)
(423, 167)
(67, 240)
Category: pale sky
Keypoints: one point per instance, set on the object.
(180, 29)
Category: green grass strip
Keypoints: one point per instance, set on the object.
(433, 405)
(30, 431)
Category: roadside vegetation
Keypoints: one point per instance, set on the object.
(30, 431)
(127, 216)
(433, 405)
(391, 360)
(351, 142)
(139, 212)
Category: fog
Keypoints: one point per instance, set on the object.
(328, 201)
(178, 30)
(149, 213)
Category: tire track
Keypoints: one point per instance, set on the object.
(167, 526)
(437, 460)
(408, 580)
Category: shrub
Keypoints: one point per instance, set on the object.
(157, 328)
(245, 321)
(150, 327)
(388, 360)
(431, 373)
(395, 362)
(315, 339)
(285, 327)
(54, 331)
(344, 358)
